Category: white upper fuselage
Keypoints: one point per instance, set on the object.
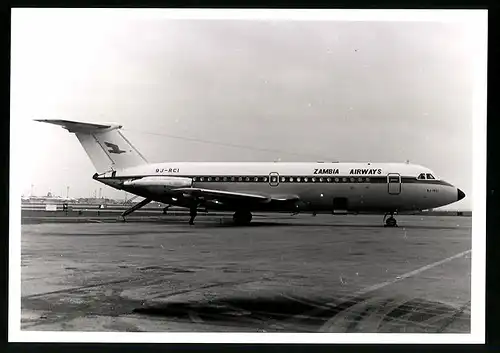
(358, 187)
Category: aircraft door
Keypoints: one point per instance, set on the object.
(340, 205)
(274, 179)
(394, 183)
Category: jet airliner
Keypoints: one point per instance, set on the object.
(246, 187)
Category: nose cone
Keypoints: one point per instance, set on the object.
(460, 194)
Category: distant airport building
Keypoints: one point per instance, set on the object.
(48, 199)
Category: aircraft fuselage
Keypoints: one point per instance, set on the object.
(319, 187)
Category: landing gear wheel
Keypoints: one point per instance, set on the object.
(391, 222)
(242, 217)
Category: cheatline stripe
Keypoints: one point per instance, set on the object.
(287, 179)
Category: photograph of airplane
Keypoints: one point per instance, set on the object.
(385, 188)
(236, 175)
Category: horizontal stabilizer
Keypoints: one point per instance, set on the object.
(76, 126)
(105, 145)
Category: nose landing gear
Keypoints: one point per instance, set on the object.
(391, 221)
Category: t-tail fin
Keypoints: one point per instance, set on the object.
(105, 145)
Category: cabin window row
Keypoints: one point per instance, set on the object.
(282, 179)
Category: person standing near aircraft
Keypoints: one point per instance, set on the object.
(193, 211)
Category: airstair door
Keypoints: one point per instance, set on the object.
(394, 183)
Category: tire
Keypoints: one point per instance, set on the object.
(391, 222)
(242, 217)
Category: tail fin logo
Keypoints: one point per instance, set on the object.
(113, 148)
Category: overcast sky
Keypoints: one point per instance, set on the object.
(332, 90)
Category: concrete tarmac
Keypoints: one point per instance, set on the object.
(292, 274)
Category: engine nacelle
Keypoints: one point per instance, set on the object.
(160, 181)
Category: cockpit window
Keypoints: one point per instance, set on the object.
(421, 176)
(430, 176)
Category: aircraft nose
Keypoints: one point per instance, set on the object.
(460, 194)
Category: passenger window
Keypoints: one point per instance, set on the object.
(430, 176)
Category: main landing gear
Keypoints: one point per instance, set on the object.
(242, 217)
(239, 217)
(391, 221)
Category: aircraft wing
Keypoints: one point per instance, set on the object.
(229, 196)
